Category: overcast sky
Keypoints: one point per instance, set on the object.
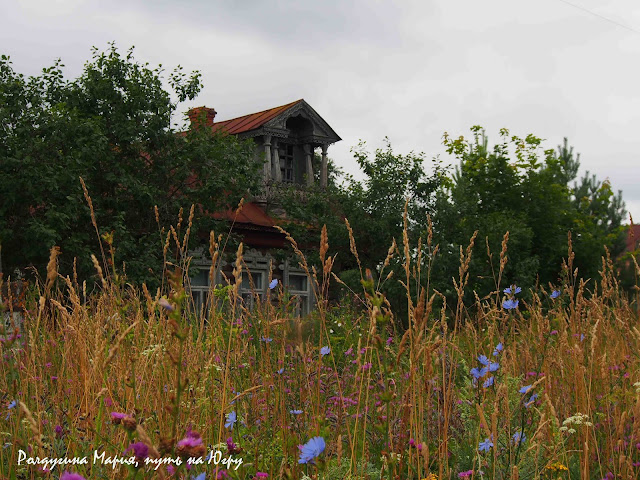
(407, 70)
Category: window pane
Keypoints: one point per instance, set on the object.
(298, 282)
(257, 281)
(286, 163)
(197, 300)
(200, 279)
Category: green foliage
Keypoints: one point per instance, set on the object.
(598, 223)
(339, 470)
(371, 206)
(392, 179)
(112, 127)
(518, 188)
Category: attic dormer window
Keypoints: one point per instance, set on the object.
(286, 163)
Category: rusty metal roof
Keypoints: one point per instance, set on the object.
(251, 121)
(249, 213)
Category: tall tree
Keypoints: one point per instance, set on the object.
(112, 127)
(519, 188)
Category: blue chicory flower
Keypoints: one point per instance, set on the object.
(266, 339)
(510, 304)
(324, 351)
(273, 284)
(311, 450)
(531, 400)
(493, 366)
(295, 412)
(281, 371)
(232, 418)
(163, 302)
(483, 360)
(555, 294)
(479, 373)
(485, 446)
(525, 389)
(519, 437)
(509, 290)
(488, 382)
(498, 349)
(202, 476)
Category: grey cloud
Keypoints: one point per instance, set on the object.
(408, 70)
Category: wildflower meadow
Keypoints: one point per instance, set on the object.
(113, 381)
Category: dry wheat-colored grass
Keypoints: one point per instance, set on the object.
(403, 401)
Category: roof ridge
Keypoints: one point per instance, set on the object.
(291, 104)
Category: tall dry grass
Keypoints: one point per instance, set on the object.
(388, 403)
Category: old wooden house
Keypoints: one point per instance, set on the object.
(287, 139)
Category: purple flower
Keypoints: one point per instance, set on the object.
(510, 304)
(311, 450)
(190, 442)
(232, 448)
(324, 351)
(273, 284)
(389, 340)
(232, 418)
(71, 476)
(261, 475)
(140, 450)
(12, 338)
(466, 474)
(555, 294)
(117, 417)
